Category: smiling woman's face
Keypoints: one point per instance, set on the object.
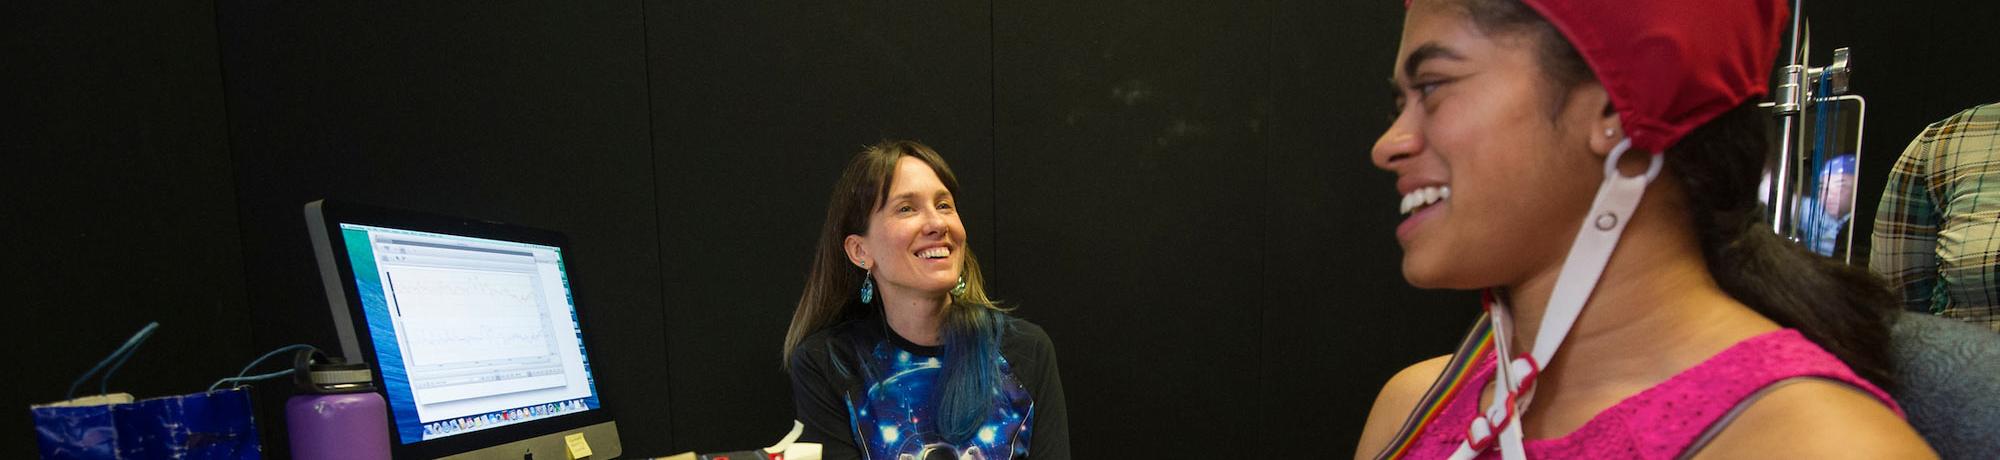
(915, 241)
(1494, 163)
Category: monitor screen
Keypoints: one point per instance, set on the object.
(471, 327)
(469, 333)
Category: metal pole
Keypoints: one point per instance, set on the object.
(1790, 99)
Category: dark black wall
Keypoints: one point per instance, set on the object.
(1191, 213)
(1133, 126)
(117, 203)
(1179, 193)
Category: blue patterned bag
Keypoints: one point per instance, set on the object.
(211, 425)
(216, 424)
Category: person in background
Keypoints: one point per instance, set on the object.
(1937, 230)
(1824, 215)
(1592, 165)
(895, 351)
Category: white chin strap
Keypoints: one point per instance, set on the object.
(1617, 197)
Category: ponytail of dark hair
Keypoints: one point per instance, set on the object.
(1844, 309)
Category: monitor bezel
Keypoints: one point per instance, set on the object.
(325, 217)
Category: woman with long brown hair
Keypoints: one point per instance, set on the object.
(895, 350)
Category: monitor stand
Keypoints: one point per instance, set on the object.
(603, 439)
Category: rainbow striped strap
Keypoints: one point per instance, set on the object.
(1477, 343)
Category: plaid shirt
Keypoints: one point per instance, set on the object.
(1937, 232)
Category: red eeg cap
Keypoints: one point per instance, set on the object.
(1671, 65)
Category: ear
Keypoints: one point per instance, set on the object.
(856, 253)
(1606, 131)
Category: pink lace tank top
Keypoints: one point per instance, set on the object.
(1661, 421)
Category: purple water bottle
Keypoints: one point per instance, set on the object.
(337, 414)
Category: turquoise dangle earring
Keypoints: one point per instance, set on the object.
(867, 285)
(959, 290)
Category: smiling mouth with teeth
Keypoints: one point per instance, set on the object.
(934, 253)
(1426, 196)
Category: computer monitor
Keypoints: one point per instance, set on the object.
(471, 329)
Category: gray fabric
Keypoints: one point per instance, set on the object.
(1949, 373)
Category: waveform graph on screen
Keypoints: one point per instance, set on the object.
(473, 333)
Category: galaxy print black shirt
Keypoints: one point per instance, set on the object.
(866, 393)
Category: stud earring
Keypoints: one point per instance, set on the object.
(959, 289)
(1608, 132)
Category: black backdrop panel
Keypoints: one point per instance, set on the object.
(757, 106)
(526, 113)
(118, 203)
(1130, 155)
(1338, 317)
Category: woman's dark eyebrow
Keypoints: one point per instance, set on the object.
(1426, 52)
